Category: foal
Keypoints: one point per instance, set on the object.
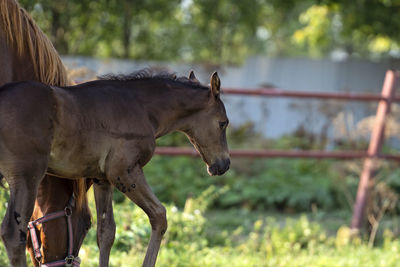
(104, 129)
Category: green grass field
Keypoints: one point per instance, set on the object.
(241, 238)
(272, 212)
(236, 237)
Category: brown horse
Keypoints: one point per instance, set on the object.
(27, 54)
(104, 129)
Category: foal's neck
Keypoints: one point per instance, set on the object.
(170, 107)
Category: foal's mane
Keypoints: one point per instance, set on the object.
(27, 38)
(152, 74)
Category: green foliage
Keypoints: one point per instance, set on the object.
(237, 237)
(106, 28)
(281, 183)
(317, 33)
(255, 184)
(217, 32)
(288, 184)
(227, 29)
(257, 240)
(273, 240)
(178, 178)
(365, 29)
(4, 194)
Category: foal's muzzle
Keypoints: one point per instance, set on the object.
(219, 167)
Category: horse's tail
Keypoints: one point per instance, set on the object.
(80, 189)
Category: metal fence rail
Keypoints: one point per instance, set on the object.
(258, 153)
(276, 92)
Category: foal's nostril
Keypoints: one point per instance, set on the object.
(227, 163)
(223, 165)
(219, 167)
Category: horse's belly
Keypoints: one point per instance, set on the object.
(69, 163)
(69, 170)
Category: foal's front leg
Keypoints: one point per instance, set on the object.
(133, 184)
(105, 220)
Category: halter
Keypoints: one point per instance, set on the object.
(70, 260)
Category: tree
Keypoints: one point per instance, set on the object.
(363, 28)
(219, 32)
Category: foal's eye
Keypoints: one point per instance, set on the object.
(223, 124)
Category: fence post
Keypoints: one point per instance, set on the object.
(377, 135)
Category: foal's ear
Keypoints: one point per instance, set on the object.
(215, 84)
(192, 77)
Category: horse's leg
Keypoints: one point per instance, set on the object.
(133, 184)
(105, 220)
(23, 190)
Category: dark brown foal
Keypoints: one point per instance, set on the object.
(104, 129)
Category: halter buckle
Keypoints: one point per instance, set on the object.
(69, 260)
(68, 211)
(38, 259)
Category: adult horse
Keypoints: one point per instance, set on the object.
(27, 54)
(103, 129)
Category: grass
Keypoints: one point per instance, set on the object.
(242, 238)
(238, 237)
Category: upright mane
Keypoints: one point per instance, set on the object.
(23, 34)
(149, 73)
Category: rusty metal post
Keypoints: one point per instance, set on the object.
(377, 135)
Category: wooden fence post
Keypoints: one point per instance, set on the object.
(377, 136)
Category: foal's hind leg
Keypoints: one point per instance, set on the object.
(105, 220)
(133, 184)
(20, 207)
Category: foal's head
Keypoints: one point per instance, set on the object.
(206, 130)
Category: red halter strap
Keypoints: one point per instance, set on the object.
(70, 260)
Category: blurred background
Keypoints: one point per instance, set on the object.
(296, 45)
(263, 212)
